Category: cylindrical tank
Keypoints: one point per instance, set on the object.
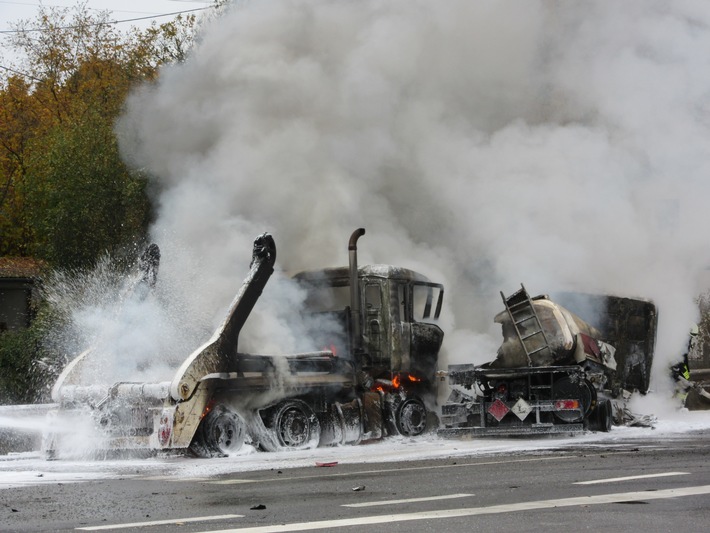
(561, 327)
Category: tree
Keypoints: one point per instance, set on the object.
(84, 200)
(20, 120)
(65, 195)
(60, 172)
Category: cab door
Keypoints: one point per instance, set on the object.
(376, 323)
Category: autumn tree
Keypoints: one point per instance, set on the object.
(65, 195)
(60, 172)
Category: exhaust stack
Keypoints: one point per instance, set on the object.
(354, 290)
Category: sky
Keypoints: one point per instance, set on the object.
(13, 10)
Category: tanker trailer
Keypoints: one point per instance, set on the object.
(554, 372)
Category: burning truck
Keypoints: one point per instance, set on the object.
(554, 372)
(377, 376)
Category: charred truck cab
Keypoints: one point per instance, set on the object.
(374, 376)
(398, 307)
(384, 328)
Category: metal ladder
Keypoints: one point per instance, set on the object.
(521, 311)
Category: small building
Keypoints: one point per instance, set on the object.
(19, 284)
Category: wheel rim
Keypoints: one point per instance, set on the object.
(294, 428)
(224, 431)
(295, 425)
(411, 418)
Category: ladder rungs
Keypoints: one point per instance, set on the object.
(539, 350)
(517, 304)
(520, 309)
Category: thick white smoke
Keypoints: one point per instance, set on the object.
(559, 144)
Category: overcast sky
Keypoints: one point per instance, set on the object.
(13, 10)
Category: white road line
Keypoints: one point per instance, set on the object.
(626, 478)
(494, 509)
(230, 481)
(385, 470)
(410, 500)
(176, 521)
(172, 478)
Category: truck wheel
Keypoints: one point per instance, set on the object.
(221, 432)
(567, 388)
(295, 425)
(411, 417)
(604, 416)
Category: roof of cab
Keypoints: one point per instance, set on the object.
(341, 275)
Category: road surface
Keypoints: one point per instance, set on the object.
(641, 484)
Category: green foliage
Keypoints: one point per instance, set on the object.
(65, 195)
(82, 199)
(29, 364)
(17, 351)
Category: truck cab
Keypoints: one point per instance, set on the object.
(396, 317)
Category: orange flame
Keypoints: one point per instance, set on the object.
(396, 382)
(331, 348)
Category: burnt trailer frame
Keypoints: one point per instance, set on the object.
(630, 325)
(498, 413)
(569, 396)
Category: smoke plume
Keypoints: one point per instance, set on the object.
(484, 144)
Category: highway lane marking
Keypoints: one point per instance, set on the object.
(177, 521)
(626, 478)
(174, 479)
(392, 470)
(473, 511)
(385, 470)
(410, 500)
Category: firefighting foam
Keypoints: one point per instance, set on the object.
(483, 144)
(114, 312)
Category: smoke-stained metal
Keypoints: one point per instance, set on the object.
(564, 382)
(354, 289)
(214, 356)
(262, 266)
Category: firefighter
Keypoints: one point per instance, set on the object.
(681, 371)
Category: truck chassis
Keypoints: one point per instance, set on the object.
(522, 401)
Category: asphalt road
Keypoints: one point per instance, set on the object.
(636, 486)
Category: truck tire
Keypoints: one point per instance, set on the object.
(221, 432)
(411, 417)
(568, 388)
(295, 425)
(604, 416)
